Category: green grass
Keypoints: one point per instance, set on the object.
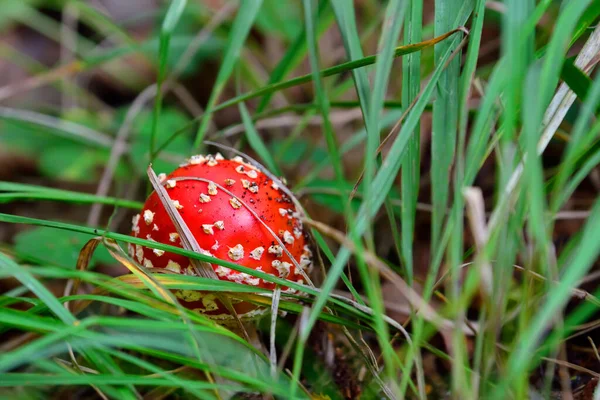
(492, 295)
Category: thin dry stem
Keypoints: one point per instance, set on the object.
(476, 214)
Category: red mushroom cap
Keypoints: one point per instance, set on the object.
(233, 210)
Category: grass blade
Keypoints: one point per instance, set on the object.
(239, 32)
(411, 85)
(173, 15)
(13, 269)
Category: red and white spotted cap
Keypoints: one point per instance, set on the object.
(236, 213)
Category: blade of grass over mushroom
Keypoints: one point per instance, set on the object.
(150, 282)
(187, 238)
(341, 306)
(130, 286)
(244, 292)
(336, 70)
(139, 271)
(155, 286)
(157, 245)
(147, 307)
(239, 32)
(172, 17)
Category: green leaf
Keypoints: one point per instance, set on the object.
(169, 121)
(280, 18)
(26, 138)
(62, 154)
(577, 80)
(173, 15)
(11, 11)
(49, 246)
(72, 162)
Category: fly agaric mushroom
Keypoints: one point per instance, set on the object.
(236, 213)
